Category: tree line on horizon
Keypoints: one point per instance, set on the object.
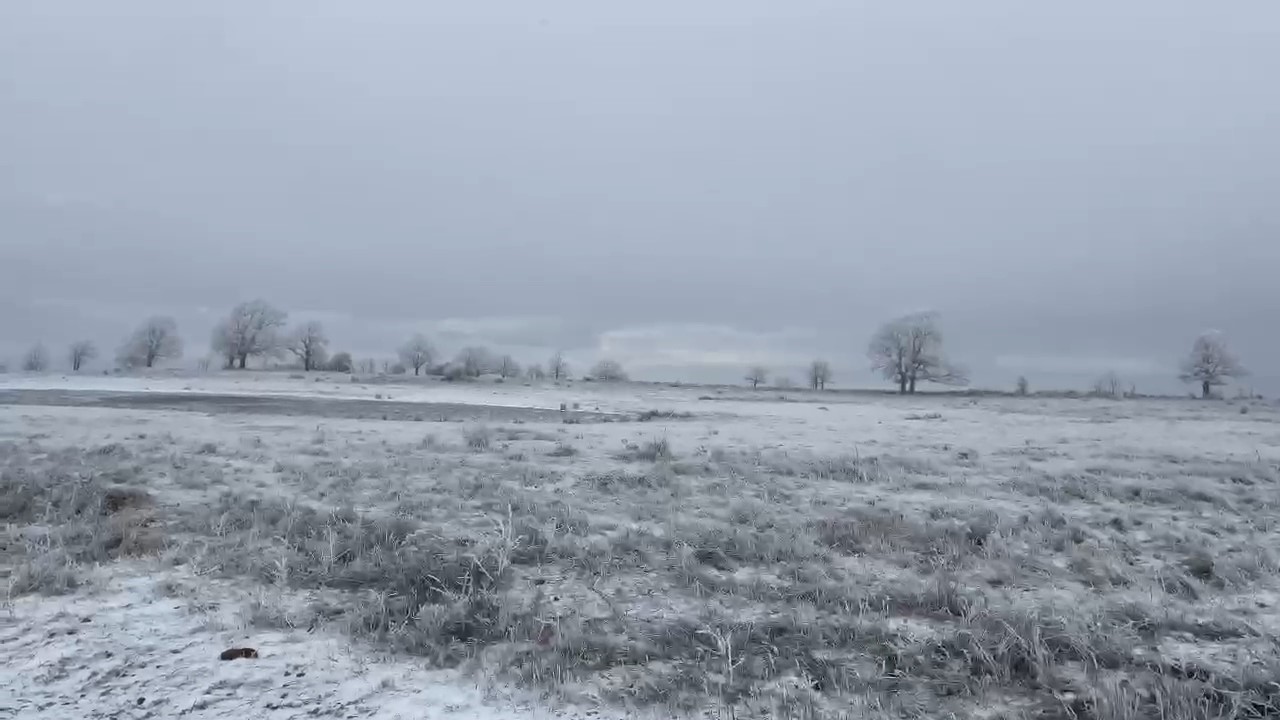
(906, 351)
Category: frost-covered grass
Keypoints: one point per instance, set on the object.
(1065, 558)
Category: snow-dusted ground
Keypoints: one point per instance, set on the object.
(1094, 507)
(797, 419)
(143, 643)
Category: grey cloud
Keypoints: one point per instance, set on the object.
(1088, 180)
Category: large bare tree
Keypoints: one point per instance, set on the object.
(757, 376)
(81, 352)
(508, 367)
(908, 350)
(609, 371)
(1210, 363)
(36, 359)
(417, 353)
(558, 367)
(253, 330)
(819, 374)
(309, 343)
(157, 339)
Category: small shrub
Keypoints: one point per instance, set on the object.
(651, 451)
(563, 450)
(479, 437)
(648, 415)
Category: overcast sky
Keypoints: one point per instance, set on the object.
(689, 187)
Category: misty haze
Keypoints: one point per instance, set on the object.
(719, 359)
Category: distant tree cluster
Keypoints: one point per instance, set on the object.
(608, 370)
(906, 351)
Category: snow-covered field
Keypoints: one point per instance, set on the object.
(734, 554)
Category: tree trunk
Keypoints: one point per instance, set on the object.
(243, 360)
(416, 370)
(911, 389)
(1204, 389)
(902, 384)
(150, 361)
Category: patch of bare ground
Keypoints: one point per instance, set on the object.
(742, 582)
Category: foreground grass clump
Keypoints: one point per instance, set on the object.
(59, 519)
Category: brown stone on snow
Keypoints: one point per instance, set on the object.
(238, 653)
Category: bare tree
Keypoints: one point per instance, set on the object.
(417, 353)
(1023, 387)
(819, 374)
(475, 361)
(253, 330)
(908, 350)
(156, 340)
(535, 372)
(1210, 363)
(609, 371)
(369, 366)
(1107, 386)
(36, 359)
(310, 344)
(757, 376)
(81, 352)
(557, 366)
(508, 367)
(341, 362)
